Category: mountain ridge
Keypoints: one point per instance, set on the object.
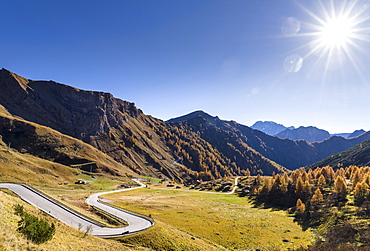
(272, 128)
(289, 153)
(207, 146)
(356, 133)
(358, 155)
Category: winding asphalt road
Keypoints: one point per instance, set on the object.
(136, 223)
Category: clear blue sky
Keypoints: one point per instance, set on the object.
(240, 60)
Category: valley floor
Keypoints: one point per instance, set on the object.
(224, 221)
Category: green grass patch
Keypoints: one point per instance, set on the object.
(151, 179)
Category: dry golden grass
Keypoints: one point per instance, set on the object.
(166, 237)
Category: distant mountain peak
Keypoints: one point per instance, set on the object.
(269, 127)
(11, 78)
(3, 70)
(192, 115)
(356, 133)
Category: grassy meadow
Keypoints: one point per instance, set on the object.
(224, 221)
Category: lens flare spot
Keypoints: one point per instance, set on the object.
(290, 27)
(253, 92)
(293, 63)
(230, 66)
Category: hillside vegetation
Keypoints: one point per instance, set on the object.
(336, 203)
(58, 181)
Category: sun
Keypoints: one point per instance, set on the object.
(336, 33)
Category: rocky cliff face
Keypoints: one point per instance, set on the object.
(64, 108)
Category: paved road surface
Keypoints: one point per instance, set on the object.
(136, 223)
